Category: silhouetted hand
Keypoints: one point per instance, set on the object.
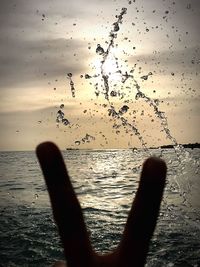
(133, 247)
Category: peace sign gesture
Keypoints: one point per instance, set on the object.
(133, 247)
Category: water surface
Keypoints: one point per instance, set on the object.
(106, 182)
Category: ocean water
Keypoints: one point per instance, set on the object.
(106, 182)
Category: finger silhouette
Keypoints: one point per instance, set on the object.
(66, 208)
(143, 215)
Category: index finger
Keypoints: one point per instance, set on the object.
(66, 208)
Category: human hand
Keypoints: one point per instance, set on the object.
(133, 247)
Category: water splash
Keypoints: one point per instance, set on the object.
(105, 77)
(180, 152)
(86, 139)
(60, 118)
(109, 92)
(145, 77)
(71, 83)
(105, 53)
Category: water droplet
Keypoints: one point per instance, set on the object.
(87, 76)
(116, 27)
(189, 6)
(113, 93)
(139, 95)
(65, 122)
(123, 109)
(77, 143)
(69, 74)
(100, 50)
(145, 77)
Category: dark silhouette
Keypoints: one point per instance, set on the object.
(190, 145)
(140, 225)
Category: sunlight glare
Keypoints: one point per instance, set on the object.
(109, 67)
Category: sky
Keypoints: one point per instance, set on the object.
(156, 46)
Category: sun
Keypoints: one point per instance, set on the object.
(108, 68)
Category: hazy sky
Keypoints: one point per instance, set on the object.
(42, 41)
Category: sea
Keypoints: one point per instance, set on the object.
(105, 182)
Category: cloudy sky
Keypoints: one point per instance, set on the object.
(42, 41)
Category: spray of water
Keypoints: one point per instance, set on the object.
(119, 114)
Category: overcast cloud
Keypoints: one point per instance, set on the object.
(42, 41)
